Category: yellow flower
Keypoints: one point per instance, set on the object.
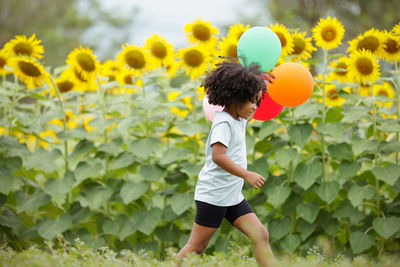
(200, 92)
(135, 58)
(85, 124)
(364, 90)
(285, 38)
(328, 34)
(194, 60)
(46, 137)
(371, 40)
(71, 119)
(332, 97)
(172, 68)
(236, 31)
(3, 62)
(302, 46)
(187, 100)
(340, 70)
(396, 29)
(29, 71)
(81, 83)
(391, 47)
(384, 89)
(228, 47)
(201, 32)
(84, 62)
(21, 46)
(127, 77)
(110, 70)
(363, 67)
(161, 51)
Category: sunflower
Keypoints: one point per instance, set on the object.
(285, 38)
(110, 70)
(3, 62)
(84, 61)
(161, 51)
(135, 58)
(340, 70)
(384, 89)
(328, 33)
(364, 90)
(194, 60)
(302, 46)
(201, 32)
(172, 69)
(228, 47)
(72, 120)
(64, 84)
(332, 97)
(363, 66)
(371, 40)
(187, 100)
(29, 71)
(46, 137)
(126, 77)
(391, 46)
(396, 29)
(22, 46)
(236, 31)
(81, 83)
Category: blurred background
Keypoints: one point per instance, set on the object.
(63, 25)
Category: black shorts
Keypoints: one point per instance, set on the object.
(211, 216)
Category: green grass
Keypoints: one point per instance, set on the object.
(81, 255)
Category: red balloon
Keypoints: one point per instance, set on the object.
(268, 109)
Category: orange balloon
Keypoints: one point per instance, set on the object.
(292, 86)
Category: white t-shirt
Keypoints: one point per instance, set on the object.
(215, 185)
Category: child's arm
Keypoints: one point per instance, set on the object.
(226, 163)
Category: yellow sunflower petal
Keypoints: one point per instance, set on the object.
(135, 58)
(194, 60)
(363, 67)
(371, 40)
(161, 51)
(391, 47)
(29, 71)
(328, 33)
(201, 32)
(236, 31)
(84, 62)
(302, 46)
(22, 46)
(284, 36)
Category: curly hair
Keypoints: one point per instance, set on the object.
(230, 82)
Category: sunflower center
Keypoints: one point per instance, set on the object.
(232, 51)
(79, 76)
(281, 38)
(128, 79)
(368, 43)
(341, 69)
(86, 62)
(193, 58)
(364, 66)
(383, 92)
(2, 63)
(201, 32)
(23, 48)
(135, 59)
(111, 77)
(299, 45)
(29, 69)
(328, 33)
(159, 50)
(392, 46)
(332, 94)
(65, 86)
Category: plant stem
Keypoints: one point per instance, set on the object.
(397, 102)
(102, 100)
(375, 159)
(12, 110)
(324, 156)
(60, 103)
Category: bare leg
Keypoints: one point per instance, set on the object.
(251, 226)
(197, 242)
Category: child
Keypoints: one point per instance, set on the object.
(218, 191)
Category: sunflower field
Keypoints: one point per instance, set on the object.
(109, 152)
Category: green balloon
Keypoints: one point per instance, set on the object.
(259, 45)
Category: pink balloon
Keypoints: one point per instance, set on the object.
(210, 109)
(268, 109)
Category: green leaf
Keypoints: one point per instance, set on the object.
(146, 221)
(181, 202)
(123, 160)
(327, 191)
(96, 197)
(306, 174)
(360, 145)
(334, 114)
(304, 228)
(131, 190)
(308, 211)
(386, 227)
(348, 169)
(43, 159)
(112, 148)
(57, 188)
(349, 212)
(389, 126)
(260, 166)
(341, 151)
(168, 233)
(7, 179)
(143, 148)
(9, 219)
(291, 242)
(277, 195)
(329, 224)
(389, 173)
(360, 242)
(280, 228)
(284, 156)
(49, 229)
(84, 170)
(173, 154)
(190, 129)
(151, 172)
(335, 129)
(355, 114)
(358, 193)
(31, 202)
(84, 146)
(122, 227)
(176, 177)
(300, 133)
(268, 128)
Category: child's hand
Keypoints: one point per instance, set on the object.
(254, 179)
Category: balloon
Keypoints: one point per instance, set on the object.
(259, 45)
(268, 109)
(210, 109)
(292, 86)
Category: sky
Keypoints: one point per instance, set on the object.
(168, 17)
